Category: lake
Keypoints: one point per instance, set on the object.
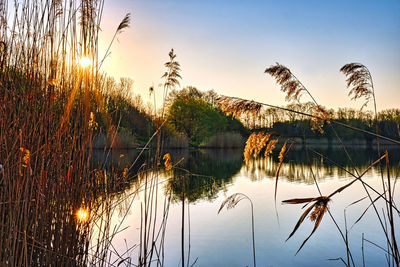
(149, 208)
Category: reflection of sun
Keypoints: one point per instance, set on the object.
(82, 215)
(85, 62)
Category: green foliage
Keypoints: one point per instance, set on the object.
(196, 119)
(191, 114)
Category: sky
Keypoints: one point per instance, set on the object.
(227, 45)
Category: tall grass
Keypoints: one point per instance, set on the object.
(47, 101)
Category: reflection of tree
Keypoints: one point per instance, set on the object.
(205, 173)
(208, 171)
(296, 166)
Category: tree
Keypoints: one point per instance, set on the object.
(196, 119)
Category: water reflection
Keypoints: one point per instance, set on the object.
(205, 178)
(206, 172)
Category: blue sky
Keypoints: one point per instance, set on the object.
(226, 45)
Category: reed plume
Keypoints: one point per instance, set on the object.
(319, 117)
(231, 201)
(172, 74)
(359, 79)
(237, 106)
(281, 156)
(270, 147)
(254, 144)
(124, 24)
(126, 21)
(318, 208)
(288, 82)
(293, 89)
(167, 162)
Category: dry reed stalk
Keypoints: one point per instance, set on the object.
(230, 203)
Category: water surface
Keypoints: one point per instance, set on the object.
(225, 239)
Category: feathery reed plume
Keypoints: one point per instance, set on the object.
(236, 106)
(282, 152)
(172, 75)
(262, 140)
(318, 208)
(26, 156)
(360, 80)
(270, 147)
(167, 161)
(126, 21)
(254, 144)
(288, 82)
(320, 205)
(320, 116)
(231, 201)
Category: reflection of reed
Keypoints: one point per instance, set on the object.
(261, 168)
(43, 229)
(143, 187)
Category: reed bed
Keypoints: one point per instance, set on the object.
(49, 78)
(56, 203)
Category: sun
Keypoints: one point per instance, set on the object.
(82, 215)
(85, 62)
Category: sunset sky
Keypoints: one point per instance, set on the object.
(226, 45)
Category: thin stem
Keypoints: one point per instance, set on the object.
(183, 222)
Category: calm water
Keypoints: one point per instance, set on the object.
(224, 239)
